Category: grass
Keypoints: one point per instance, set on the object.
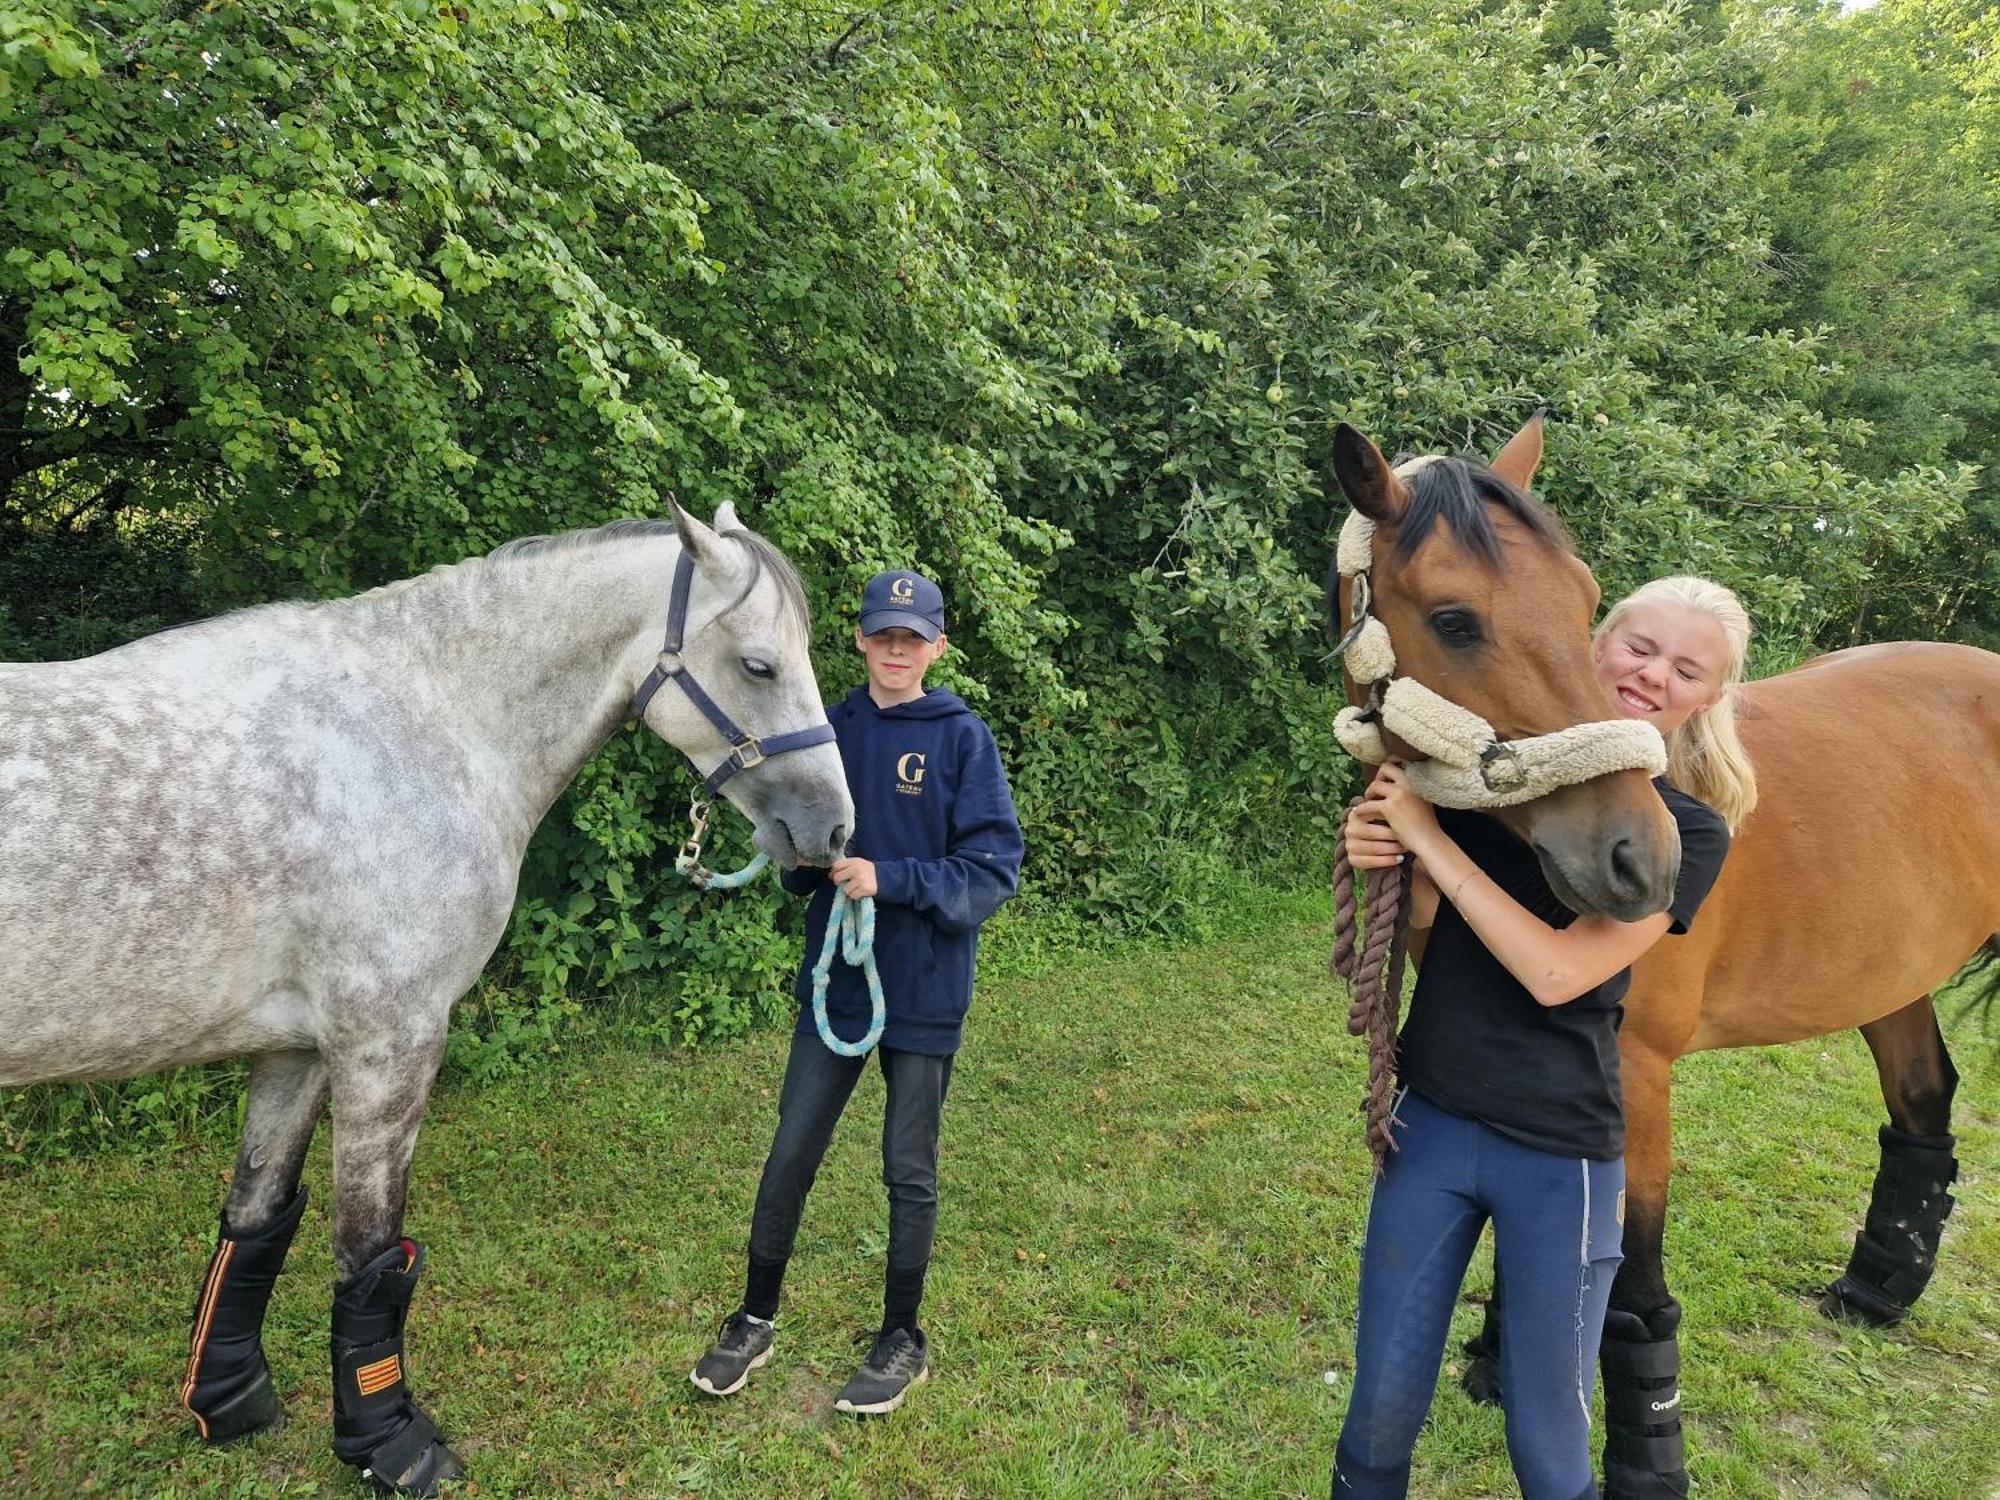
(1153, 1192)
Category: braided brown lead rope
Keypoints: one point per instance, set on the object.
(1362, 950)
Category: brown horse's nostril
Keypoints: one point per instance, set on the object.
(1628, 875)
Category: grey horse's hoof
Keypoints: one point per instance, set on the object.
(253, 1413)
(421, 1474)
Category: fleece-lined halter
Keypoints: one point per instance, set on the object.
(1468, 764)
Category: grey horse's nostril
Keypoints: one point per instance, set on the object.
(838, 843)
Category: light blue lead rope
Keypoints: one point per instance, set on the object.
(708, 880)
(850, 928)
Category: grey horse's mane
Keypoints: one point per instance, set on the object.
(765, 560)
(764, 557)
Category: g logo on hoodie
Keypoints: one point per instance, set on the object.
(910, 774)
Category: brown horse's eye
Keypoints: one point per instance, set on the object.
(1456, 627)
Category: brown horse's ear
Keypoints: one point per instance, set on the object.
(1366, 479)
(1517, 461)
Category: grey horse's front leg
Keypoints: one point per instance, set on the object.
(379, 1093)
(227, 1385)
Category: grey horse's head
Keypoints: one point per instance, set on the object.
(748, 646)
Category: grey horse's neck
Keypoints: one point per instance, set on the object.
(527, 658)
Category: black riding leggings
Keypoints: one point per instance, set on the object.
(817, 1086)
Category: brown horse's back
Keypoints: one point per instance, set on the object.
(1870, 871)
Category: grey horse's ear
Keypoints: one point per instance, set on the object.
(725, 518)
(1366, 479)
(700, 542)
(1517, 461)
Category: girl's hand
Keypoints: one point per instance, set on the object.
(1409, 817)
(1370, 844)
(854, 876)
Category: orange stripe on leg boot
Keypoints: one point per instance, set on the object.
(379, 1376)
(204, 1318)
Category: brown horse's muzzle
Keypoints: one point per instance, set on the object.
(1608, 847)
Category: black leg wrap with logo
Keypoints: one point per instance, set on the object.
(1896, 1250)
(376, 1426)
(1645, 1456)
(227, 1384)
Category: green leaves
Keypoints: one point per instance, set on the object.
(1058, 304)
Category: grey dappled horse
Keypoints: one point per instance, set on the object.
(294, 833)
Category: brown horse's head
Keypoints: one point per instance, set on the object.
(1486, 604)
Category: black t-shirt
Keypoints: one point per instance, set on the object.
(1479, 1045)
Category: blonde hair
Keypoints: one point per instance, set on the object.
(1705, 755)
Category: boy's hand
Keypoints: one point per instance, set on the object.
(1389, 800)
(854, 876)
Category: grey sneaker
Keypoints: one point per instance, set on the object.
(896, 1363)
(743, 1345)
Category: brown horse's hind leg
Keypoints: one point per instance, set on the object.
(1645, 1456)
(1896, 1250)
(379, 1094)
(227, 1385)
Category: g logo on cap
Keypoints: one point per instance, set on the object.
(902, 599)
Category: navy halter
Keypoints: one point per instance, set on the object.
(745, 750)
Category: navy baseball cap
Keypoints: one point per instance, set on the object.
(902, 598)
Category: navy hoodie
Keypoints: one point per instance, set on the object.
(932, 810)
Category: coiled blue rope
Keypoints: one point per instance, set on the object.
(850, 930)
(850, 926)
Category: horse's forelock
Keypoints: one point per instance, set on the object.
(1457, 491)
(767, 561)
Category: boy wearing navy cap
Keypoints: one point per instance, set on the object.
(936, 843)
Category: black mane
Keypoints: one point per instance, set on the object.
(1457, 492)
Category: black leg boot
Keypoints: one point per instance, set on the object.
(228, 1385)
(1481, 1379)
(1645, 1455)
(1896, 1250)
(376, 1426)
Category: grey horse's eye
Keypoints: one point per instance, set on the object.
(757, 668)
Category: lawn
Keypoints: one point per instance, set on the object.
(1153, 1188)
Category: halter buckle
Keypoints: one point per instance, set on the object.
(1500, 767)
(1357, 614)
(748, 754)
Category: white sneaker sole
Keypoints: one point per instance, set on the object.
(700, 1384)
(883, 1408)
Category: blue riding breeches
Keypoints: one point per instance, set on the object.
(1557, 1242)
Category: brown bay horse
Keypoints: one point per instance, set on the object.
(1853, 892)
